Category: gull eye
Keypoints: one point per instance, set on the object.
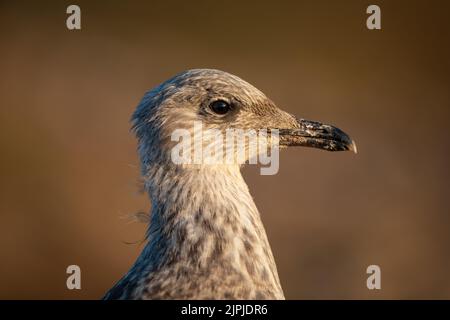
(220, 107)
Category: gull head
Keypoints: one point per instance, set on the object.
(215, 102)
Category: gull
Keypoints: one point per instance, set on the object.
(205, 238)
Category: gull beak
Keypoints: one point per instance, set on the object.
(317, 135)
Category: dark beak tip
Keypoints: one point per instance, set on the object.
(317, 135)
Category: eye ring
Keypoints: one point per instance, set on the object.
(220, 107)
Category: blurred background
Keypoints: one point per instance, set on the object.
(70, 171)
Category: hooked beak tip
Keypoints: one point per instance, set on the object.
(353, 147)
(318, 135)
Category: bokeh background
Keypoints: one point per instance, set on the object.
(69, 168)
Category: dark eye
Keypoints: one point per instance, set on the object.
(220, 107)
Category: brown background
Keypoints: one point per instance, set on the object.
(69, 169)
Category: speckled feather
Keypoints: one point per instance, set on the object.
(205, 239)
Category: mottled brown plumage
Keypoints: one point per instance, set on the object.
(205, 238)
